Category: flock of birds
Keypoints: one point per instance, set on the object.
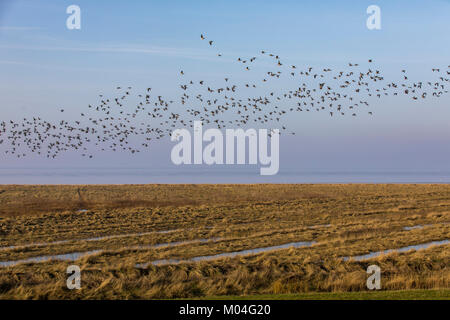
(111, 124)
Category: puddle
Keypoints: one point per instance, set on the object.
(319, 226)
(61, 257)
(82, 210)
(404, 249)
(43, 244)
(227, 254)
(128, 235)
(37, 244)
(77, 255)
(419, 226)
(171, 244)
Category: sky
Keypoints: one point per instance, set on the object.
(45, 67)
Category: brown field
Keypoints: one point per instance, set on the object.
(342, 220)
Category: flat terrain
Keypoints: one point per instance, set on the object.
(115, 232)
(361, 295)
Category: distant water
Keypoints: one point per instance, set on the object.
(230, 254)
(403, 249)
(73, 256)
(192, 174)
(43, 244)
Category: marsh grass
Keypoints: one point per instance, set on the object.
(342, 220)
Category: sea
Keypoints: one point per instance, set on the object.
(196, 175)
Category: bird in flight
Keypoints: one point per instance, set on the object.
(130, 120)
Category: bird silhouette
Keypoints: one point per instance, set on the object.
(130, 120)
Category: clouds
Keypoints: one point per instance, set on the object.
(120, 49)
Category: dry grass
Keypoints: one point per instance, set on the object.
(362, 218)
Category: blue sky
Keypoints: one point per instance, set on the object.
(45, 66)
